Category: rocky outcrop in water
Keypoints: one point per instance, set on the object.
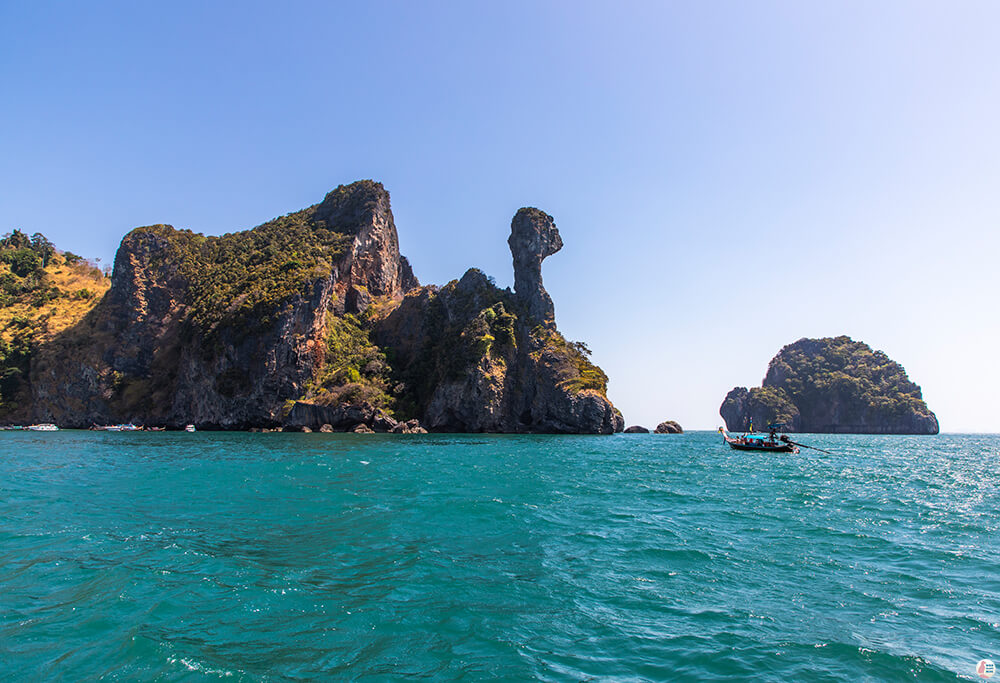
(314, 320)
(831, 385)
(669, 427)
(636, 429)
(339, 417)
(408, 427)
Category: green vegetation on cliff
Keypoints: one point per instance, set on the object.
(23, 278)
(241, 278)
(351, 368)
(812, 370)
(574, 364)
(468, 323)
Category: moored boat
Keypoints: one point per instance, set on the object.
(44, 427)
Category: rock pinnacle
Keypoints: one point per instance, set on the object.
(533, 237)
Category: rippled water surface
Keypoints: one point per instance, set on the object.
(626, 558)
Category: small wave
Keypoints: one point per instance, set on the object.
(193, 665)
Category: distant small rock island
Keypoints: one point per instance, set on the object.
(311, 321)
(669, 427)
(833, 385)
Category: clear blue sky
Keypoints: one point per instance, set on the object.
(851, 147)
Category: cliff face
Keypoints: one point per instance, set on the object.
(221, 331)
(474, 359)
(832, 385)
(371, 265)
(302, 321)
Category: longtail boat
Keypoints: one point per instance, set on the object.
(769, 442)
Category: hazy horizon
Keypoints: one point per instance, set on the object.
(726, 179)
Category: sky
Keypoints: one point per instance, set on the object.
(727, 177)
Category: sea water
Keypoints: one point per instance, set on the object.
(175, 556)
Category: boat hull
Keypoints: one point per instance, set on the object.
(777, 448)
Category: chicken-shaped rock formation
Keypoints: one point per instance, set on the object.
(533, 238)
(314, 320)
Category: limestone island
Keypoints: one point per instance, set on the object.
(831, 385)
(311, 321)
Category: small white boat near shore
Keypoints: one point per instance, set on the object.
(189, 428)
(44, 427)
(118, 428)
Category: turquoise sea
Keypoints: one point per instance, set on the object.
(234, 556)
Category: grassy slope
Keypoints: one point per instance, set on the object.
(35, 309)
(80, 286)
